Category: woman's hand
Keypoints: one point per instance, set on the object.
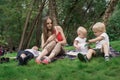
(56, 40)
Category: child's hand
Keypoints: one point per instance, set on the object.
(77, 48)
(89, 41)
(86, 45)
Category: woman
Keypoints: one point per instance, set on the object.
(53, 40)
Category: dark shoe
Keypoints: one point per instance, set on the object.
(7, 59)
(25, 60)
(2, 59)
(82, 58)
(21, 61)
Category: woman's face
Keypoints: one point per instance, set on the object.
(49, 23)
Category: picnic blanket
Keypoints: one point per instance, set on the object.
(113, 52)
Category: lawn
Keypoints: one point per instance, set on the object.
(64, 69)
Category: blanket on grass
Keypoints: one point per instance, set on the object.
(113, 53)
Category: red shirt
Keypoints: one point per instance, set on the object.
(59, 36)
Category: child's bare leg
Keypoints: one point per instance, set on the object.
(22, 55)
(90, 53)
(21, 59)
(87, 57)
(106, 49)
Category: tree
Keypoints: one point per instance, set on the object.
(19, 29)
(109, 10)
(113, 24)
(52, 11)
(36, 25)
(21, 45)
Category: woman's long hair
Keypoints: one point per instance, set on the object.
(45, 29)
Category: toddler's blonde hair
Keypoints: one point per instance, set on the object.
(99, 27)
(82, 30)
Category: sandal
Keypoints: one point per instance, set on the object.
(45, 61)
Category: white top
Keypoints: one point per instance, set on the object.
(105, 39)
(34, 52)
(82, 44)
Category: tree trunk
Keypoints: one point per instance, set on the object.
(85, 18)
(35, 22)
(38, 32)
(52, 11)
(68, 16)
(109, 10)
(25, 26)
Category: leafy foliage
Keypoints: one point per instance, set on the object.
(3, 41)
(71, 15)
(114, 24)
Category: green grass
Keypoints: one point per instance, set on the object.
(64, 69)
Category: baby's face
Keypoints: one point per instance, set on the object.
(81, 35)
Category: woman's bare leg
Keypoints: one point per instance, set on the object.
(55, 51)
(46, 50)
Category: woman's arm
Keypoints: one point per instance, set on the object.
(51, 38)
(42, 41)
(63, 42)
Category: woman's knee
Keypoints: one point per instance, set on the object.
(58, 45)
(57, 49)
(51, 44)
